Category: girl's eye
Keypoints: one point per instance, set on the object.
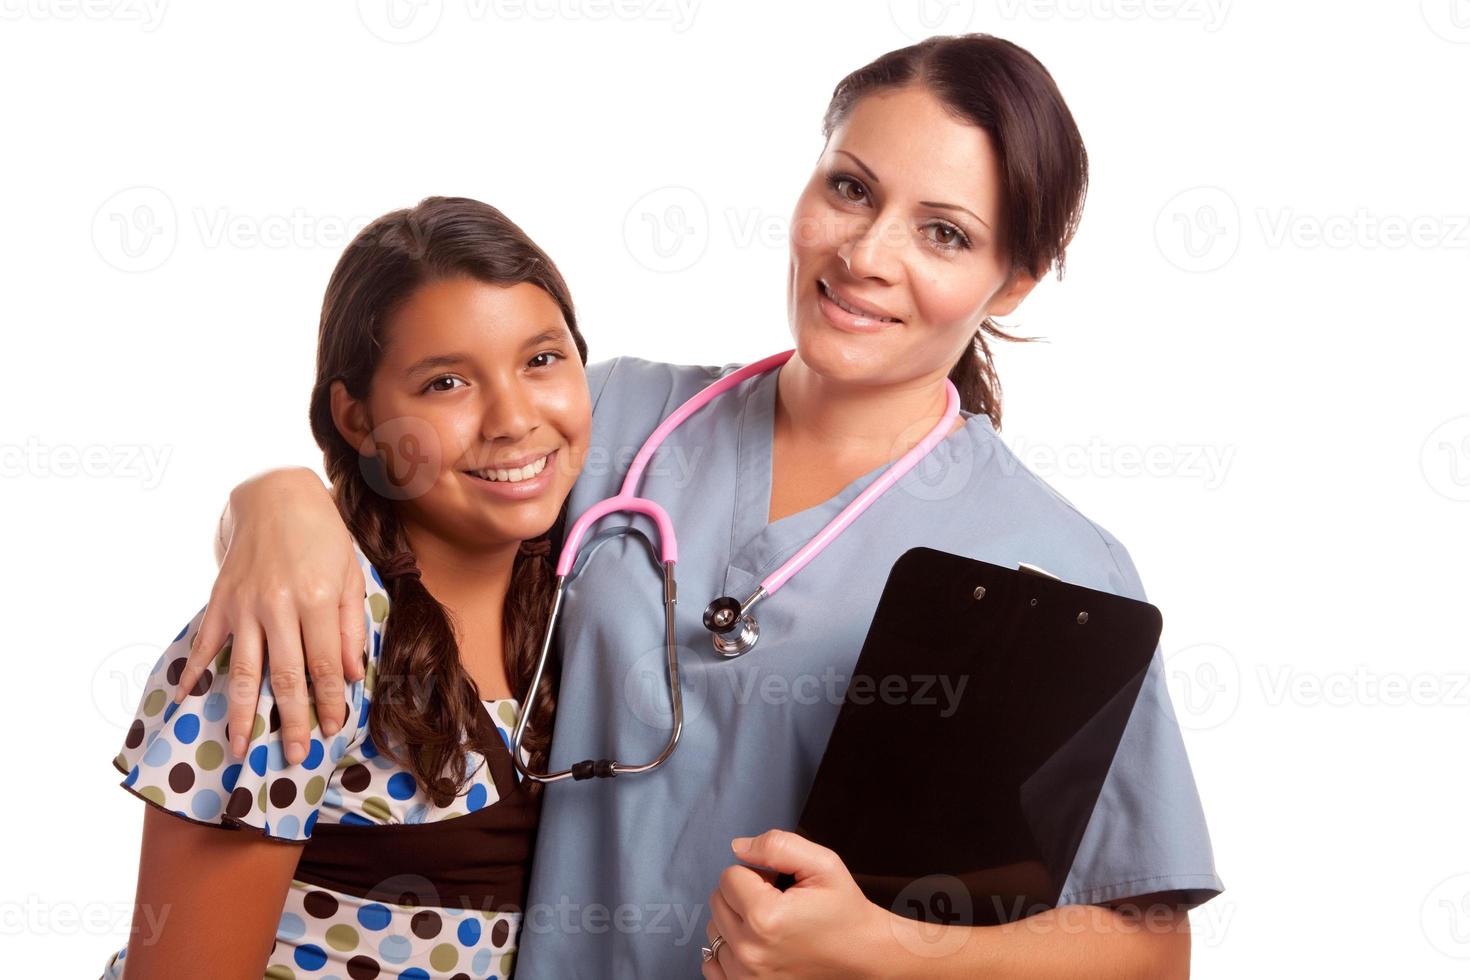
(843, 185)
(443, 377)
(949, 237)
(545, 359)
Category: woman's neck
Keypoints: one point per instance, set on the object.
(873, 423)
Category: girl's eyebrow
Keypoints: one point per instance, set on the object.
(437, 361)
(546, 337)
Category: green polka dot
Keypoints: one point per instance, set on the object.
(376, 806)
(222, 662)
(347, 762)
(121, 762)
(443, 957)
(506, 712)
(152, 794)
(279, 972)
(257, 728)
(260, 797)
(154, 702)
(342, 937)
(209, 756)
(378, 605)
(311, 715)
(314, 789)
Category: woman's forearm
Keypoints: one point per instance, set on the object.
(1082, 941)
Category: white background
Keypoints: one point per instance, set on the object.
(1255, 374)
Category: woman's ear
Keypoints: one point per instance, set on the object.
(351, 418)
(1009, 296)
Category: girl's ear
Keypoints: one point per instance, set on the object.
(351, 418)
(1009, 296)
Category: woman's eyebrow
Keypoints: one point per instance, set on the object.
(546, 337)
(436, 361)
(928, 204)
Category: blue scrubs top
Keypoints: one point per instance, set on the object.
(624, 867)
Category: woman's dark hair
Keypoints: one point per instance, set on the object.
(1004, 90)
(423, 724)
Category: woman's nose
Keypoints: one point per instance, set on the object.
(509, 413)
(875, 251)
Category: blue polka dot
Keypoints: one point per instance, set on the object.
(476, 797)
(267, 828)
(181, 633)
(310, 957)
(469, 932)
(215, 707)
(368, 749)
(355, 820)
(276, 756)
(288, 825)
(376, 578)
(292, 926)
(414, 973)
(363, 716)
(395, 949)
(416, 813)
(186, 729)
(206, 804)
(339, 748)
(332, 797)
(314, 755)
(401, 786)
(310, 823)
(132, 777)
(374, 916)
(481, 962)
(169, 711)
(257, 760)
(231, 777)
(158, 753)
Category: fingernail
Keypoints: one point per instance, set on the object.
(740, 845)
(295, 752)
(330, 726)
(237, 746)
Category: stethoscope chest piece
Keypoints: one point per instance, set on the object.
(732, 631)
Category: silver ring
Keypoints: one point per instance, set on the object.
(712, 951)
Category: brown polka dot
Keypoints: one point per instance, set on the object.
(362, 968)
(356, 778)
(240, 802)
(275, 718)
(135, 734)
(283, 792)
(181, 777)
(176, 670)
(426, 924)
(499, 933)
(202, 685)
(460, 976)
(319, 905)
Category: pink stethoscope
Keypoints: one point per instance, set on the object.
(734, 630)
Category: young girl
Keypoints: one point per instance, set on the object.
(452, 409)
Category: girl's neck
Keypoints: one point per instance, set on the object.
(861, 422)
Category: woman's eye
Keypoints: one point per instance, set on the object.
(545, 359)
(844, 185)
(948, 236)
(432, 385)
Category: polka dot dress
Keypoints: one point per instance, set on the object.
(176, 757)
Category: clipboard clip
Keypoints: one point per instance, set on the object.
(1037, 570)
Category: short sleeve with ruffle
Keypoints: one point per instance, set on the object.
(177, 757)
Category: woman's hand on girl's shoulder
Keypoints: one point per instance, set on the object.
(289, 585)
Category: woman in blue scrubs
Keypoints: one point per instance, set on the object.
(951, 181)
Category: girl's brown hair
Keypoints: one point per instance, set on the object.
(424, 724)
(1005, 91)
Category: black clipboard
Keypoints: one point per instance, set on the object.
(965, 804)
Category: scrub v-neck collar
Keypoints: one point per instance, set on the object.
(756, 546)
